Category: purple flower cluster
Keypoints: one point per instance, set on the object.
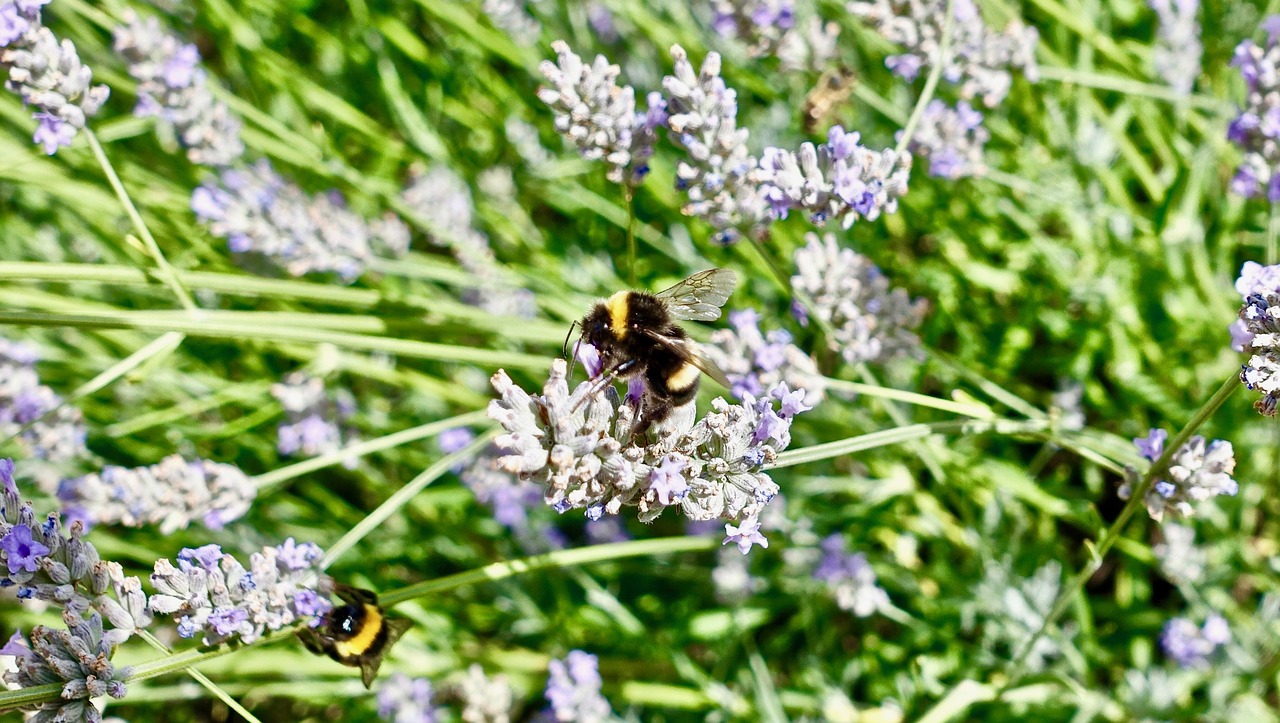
(850, 579)
(27, 408)
(952, 139)
(599, 116)
(870, 321)
(172, 87)
(839, 179)
(258, 212)
(755, 362)
(773, 28)
(63, 569)
(1257, 128)
(1190, 646)
(312, 416)
(1196, 472)
(977, 59)
(402, 699)
(581, 452)
(171, 494)
(47, 74)
(213, 595)
(721, 177)
(573, 689)
(1257, 330)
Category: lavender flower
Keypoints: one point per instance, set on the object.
(485, 699)
(47, 74)
(773, 27)
(744, 535)
(1190, 646)
(952, 140)
(64, 569)
(53, 435)
(261, 214)
(605, 529)
(754, 362)
(312, 416)
(599, 117)
(509, 498)
(977, 58)
(1180, 560)
(850, 579)
(600, 18)
(512, 18)
(573, 447)
(1257, 127)
(1177, 53)
(573, 689)
(171, 494)
(839, 179)
(402, 699)
(440, 195)
(213, 594)
(79, 658)
(720, 175)
(1196, 472)
(871, 322)
(1255, 279)
(172, 87)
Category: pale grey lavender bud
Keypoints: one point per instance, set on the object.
(512, 18)
(599, 116)
(839, 179)
(977, 58)
(47, 74)
(871, 322)
(1178, 50)
(1180, 559)
(171, 495)
(755, 362)
(583, 454)
(26, 403)
(720, 175)
(485, 699)
(1257, 128)
(78, 658)
(952, 139)
(172, 87)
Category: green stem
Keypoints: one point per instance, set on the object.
(930, 83)
(203, 680)
(170, 276)
(1129, 86)
(402, 496)
(629, 194)
(1273, 236)
(1098, 552)
(269, 481)
(898, 435)
(977, 411)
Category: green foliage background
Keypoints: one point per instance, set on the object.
(1101, 250)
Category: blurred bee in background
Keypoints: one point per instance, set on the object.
(833, 88)
(636, 335)
(357, 634)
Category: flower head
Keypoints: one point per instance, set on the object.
(32, 411)
(485, 699)
(79, 658)
(755, 362)
(952, 139)
(1177, 53)
(850, 578)
(1190, 646)
(573, 689)
(312, 416)
(402, 699)
(1256, 128)
(1197, 472)
(871, 322)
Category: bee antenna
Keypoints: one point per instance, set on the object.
(564, 350)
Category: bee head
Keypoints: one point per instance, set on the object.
(596, 329)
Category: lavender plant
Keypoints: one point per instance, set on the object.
(573, 689)
(755, 362)
(952, 139)
(1178, 50)
(33, 412)
(1256, 127)
(313, 416)
(850, 579)
(1196, 473)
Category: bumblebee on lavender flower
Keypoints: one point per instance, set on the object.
(357, 634)
(637, 337)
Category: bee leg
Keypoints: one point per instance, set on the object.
(311, 641)
(604, 381)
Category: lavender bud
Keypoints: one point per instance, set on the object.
(312, 416)
(1177, 53)
(1196, 472)
(573, 689)
(54, 435)
(1257, 126)
(952, 140)
(401, 698)
(850, 579)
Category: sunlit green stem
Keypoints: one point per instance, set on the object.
(1098, 552)
(169, 275)
(402, 497)
(1129, 86)
(921, 400)
(898, 435)
(931, 82)
(630, 196)
(268, 481)
(203, 680)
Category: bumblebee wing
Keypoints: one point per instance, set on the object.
(699, 297)
(312, 641)
(692, 353)
(370, 662)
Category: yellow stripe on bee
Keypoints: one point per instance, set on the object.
(359, 644)
(619, 306)
(683, 378)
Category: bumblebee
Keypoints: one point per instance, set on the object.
(636, 335)
(357, 634)
(833, 89)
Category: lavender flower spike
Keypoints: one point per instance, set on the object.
(720, 175)
(977, 58)
(755, 362)
(598, 116)
(53, 435)
(312, 415)
(839, 179)
(211, 593)
(1178, 49)
(573, 689)
(952, 140)
(871, 321)
(1190, 646)
(850, 579)
(1196, 472)
(582, 453)
(171, 494)
(1256, 129)
(47, 74)
(171, 86)
(402, 699)
(79, 658)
